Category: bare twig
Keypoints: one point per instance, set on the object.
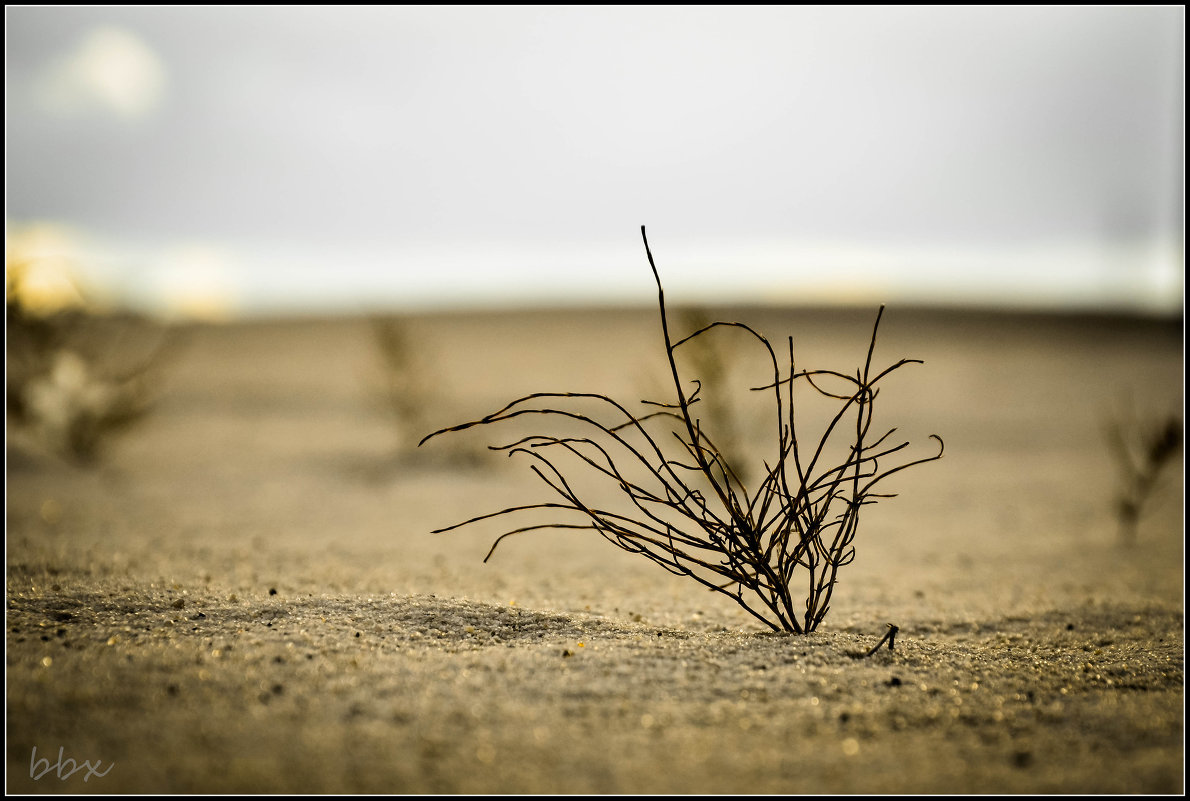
(889, 637)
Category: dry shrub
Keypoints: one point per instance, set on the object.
(1141, 448)
(777, 548)
(74, 378)
(406, 385)
(411, 391)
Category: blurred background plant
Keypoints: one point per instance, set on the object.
(405, 385)
(1140, 447)
(719, 362)
(412, 392)
(75, 374)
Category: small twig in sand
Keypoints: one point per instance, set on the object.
(890, 638)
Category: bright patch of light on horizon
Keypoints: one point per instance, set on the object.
(53, 266)
(39, 267)
(195, 282)
(111, 70)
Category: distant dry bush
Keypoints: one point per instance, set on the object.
(406, 383)
(410, 389)
(719, 363)
(74, 377)
(1140, 449)
(685, 504)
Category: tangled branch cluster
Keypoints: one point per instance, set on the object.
(688, 509)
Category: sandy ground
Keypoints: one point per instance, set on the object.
(243, 594)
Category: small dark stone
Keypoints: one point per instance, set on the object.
(172, 689)
(278, 689)
(844, 717)
(895, 681)
(357, 634)
(178, 604)
(567, 652)
(272, 590)
(1070, 627)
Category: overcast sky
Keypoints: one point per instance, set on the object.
(545, 136)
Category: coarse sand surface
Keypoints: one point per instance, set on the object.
(242, 595)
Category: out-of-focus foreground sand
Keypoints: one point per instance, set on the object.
(244, 596)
